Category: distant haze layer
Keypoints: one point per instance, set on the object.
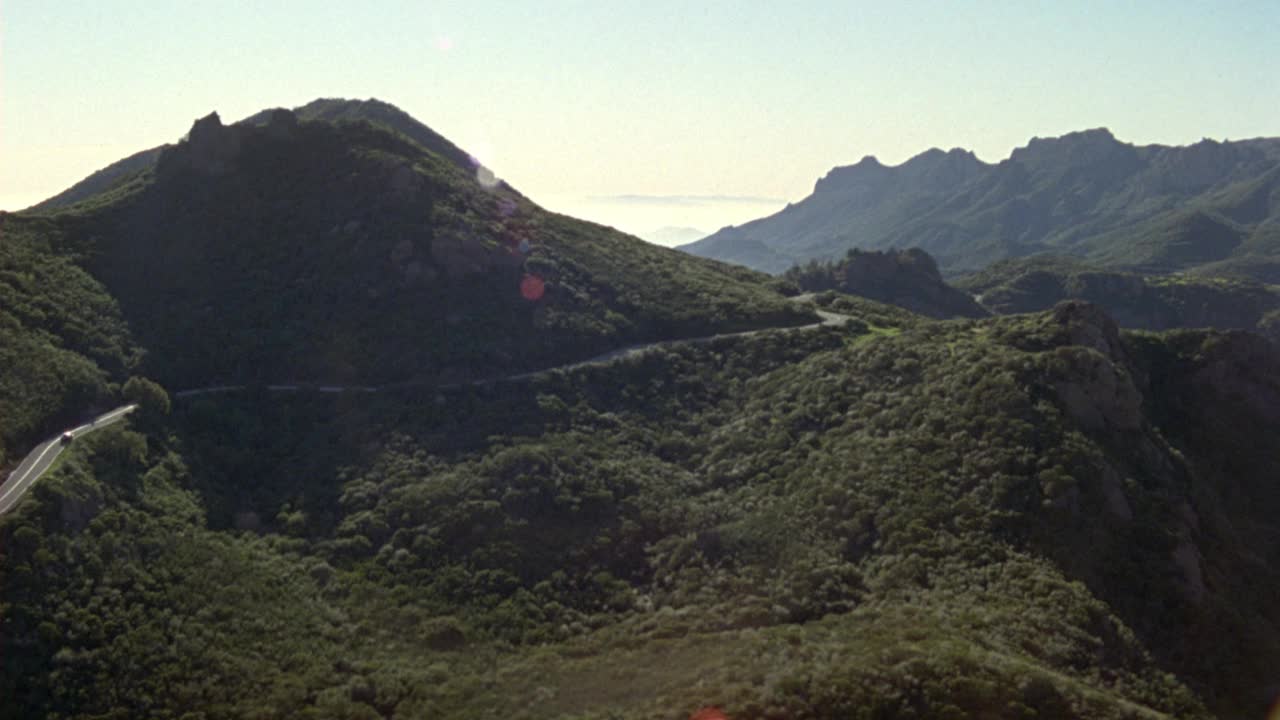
(642, 215)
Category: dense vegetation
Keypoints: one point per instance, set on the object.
(1151, 302)
(1026, 516)
(1151, 209)
(63, 343)
(906, 278)
(322, 252)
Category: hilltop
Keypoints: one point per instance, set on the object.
(908, 279)
(359, 246)
(1151, 208)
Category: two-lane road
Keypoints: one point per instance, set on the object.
(41, 459)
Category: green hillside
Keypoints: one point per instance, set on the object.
(63, 343)
(1018, 517)
(316, 251)
(1151, 302)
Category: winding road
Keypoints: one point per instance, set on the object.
(828, 319)
(42, 457)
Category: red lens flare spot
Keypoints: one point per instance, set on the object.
(532, 287)
(709, 713)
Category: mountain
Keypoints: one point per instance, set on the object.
(670, 236)
(290, 250)
(1150, 208)
(908, 279)
(331, 110)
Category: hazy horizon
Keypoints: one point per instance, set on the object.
(638, 117)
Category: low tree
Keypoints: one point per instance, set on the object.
(150, 397)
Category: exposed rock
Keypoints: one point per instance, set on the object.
(1096, 148)
(1089, 326)
(1096, 392)
(212, 147)
(1243, 367)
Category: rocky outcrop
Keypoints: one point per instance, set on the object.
(1098, 393)
(906, 278)
(212, 147)
(1088, 325)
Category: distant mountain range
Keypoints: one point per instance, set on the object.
(670, 236)
(1147, 208)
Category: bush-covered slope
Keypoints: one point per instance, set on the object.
(347, 252)
(1028, 516)
(63, 343)
(1151, 302)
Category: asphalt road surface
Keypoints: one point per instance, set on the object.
(41, 459)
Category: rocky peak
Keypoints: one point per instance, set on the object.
(1097, 389)
(934, 169)
(1086, 147)
(906, 278)
(212, 147)
(867, 173)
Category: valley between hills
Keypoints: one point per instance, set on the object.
(992, 441)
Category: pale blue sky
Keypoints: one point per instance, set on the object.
(573, 102)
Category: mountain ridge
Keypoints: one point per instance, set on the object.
(1084, 194)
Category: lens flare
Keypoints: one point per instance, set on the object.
(486, 177)
(709, 713)
(532, 288)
